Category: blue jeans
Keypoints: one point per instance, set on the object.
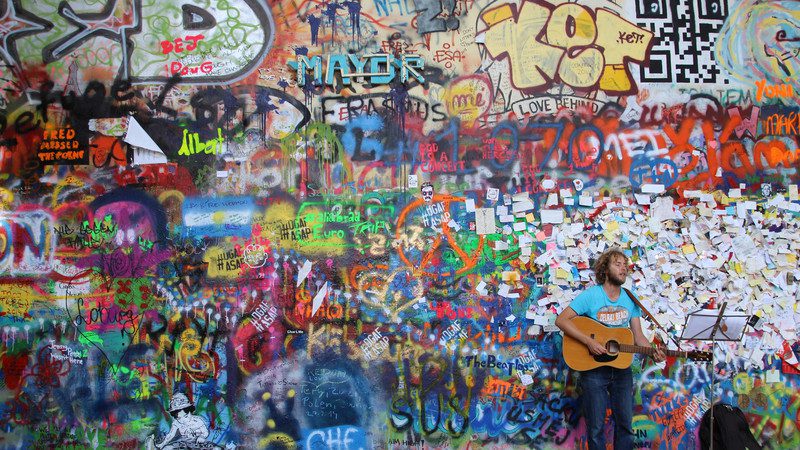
(599, 386)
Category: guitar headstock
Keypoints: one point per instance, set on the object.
(696, 355)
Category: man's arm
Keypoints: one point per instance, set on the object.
(200, 429)
(173, 430)
(640, 339)
(564, 322)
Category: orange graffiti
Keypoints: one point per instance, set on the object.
(427, 257)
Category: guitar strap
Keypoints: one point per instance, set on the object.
(649, 316)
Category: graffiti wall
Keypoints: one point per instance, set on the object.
(351, 224)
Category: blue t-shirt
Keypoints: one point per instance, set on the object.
(594, 303)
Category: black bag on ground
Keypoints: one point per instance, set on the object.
(731, 431)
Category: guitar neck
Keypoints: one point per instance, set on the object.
(651, 351)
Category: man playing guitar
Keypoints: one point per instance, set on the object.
(610, 305)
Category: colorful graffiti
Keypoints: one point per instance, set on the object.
(351, 224)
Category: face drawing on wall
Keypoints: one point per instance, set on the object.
(427, 192)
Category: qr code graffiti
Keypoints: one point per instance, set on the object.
(685, 35)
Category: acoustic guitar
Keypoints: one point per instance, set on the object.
(619, 344)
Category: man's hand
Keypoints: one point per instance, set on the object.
(659, 355)
(595, 347)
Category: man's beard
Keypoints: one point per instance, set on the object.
(616, 281)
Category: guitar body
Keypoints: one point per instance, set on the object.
(577, 355)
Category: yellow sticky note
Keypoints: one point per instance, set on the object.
(612, 226)
(511, 276)
(561, 273)
(791, 258)
(530, 218)
(687, 249)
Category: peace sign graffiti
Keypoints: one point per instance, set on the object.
(447, 233)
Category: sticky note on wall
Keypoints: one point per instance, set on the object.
(552, 215)
(484, 221)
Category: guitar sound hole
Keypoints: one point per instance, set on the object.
(612, 347)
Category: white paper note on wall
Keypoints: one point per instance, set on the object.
(484, 221)
(552, 215)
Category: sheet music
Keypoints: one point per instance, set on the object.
(700, 324)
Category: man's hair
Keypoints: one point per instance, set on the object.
(602, 263)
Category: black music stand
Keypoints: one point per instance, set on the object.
(714, 325)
